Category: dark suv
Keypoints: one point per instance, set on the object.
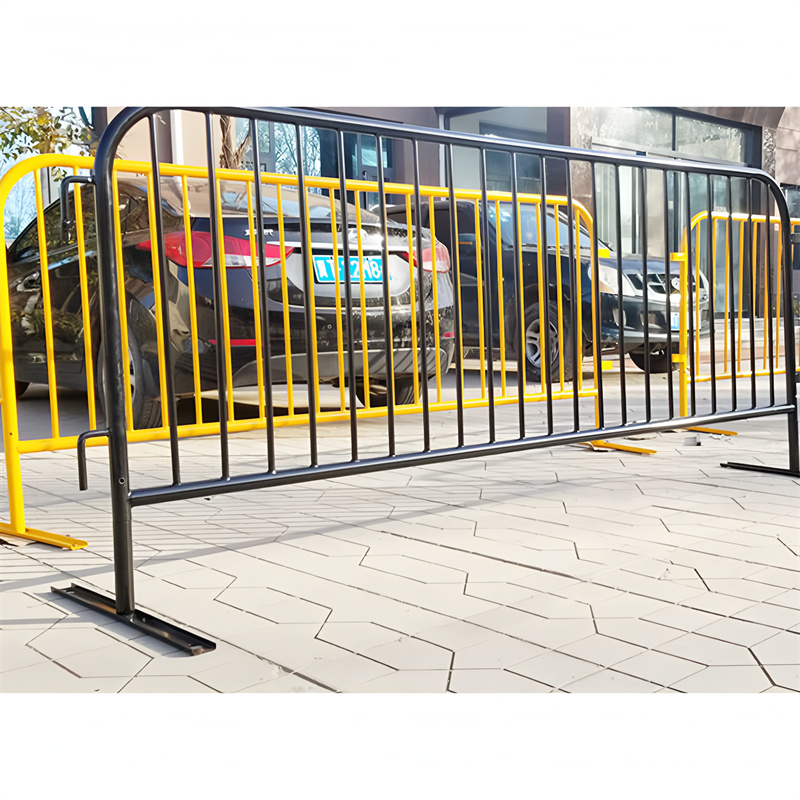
(27, 307)
(632, 288)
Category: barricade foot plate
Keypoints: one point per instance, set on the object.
(790, 473)
(713, 430)
(645, 451)
(160, 629)
(44, 537)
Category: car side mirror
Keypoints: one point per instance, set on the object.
(67, 224)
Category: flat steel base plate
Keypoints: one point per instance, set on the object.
(790, 473)
(141, 620)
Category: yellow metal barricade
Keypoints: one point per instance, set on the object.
(58, 440)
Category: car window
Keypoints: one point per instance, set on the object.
(529, 224)
(27, 244)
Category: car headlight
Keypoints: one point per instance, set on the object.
(608, 281)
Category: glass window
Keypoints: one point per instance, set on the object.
(709, 140)
(644, 127)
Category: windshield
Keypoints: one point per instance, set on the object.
(529, 222)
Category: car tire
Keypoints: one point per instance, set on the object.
(146, 409)
(20, 387)
(660, 361)
(379, 397)
(533, 367)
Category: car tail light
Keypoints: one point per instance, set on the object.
(237, 251)
(442, 259)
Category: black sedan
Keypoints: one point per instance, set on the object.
(63, 265)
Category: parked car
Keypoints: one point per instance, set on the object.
(632, 289)
(27, 306)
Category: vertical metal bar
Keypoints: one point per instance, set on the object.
(308, 301)
(435, 287)
(255, 284)
(668, 289)
(111, 291)
(597, 310)
(789, 338)
(263, 310)
(487, 295)
(287, 328)
(730, 309)
(519, 292)
(479, 274)
(778, 299)
(500, 304)
(387, 301)
(44, 271)
(620, 305)
(219, 325)
(85, 318)
(456, 264)
(423, 328)
(338, 290)
(711, 260)
(187, 231)
(348, 296)
(362, 299)
(544, 300)
(171, 408)
(123, 300)
(642, 183)
(412, 292)
(576, 300)
(768, 301)
(691, 284)
(751, 254)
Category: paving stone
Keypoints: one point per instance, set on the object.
(705, 650)
(114, 660)
(485, 681)
(771, 616)
(43, 677)
(498, 652)
(550, 606)
(343, 674)
(685, 619)
(727, 679)
(783, 648)
(636, 631)
(172, 684)
(659, 668)
(554, 633)
(290, 684)
(625, 606)
(415, 681)
(235, 675)
(456, 635)
(737, 631)
(610, 681)
(601, 650)
(411, 653)
(59, 642)
(555, 669)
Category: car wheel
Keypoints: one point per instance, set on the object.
(146, 409)
(534, 345)
(379, 397)
(660, 361)
(20, 387)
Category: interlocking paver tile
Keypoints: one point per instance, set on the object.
(783, 648)
(485, 681)
(59, 641)
(725, 679)
(413, 681)
(292, 684)
(637, 631)
(601, 649)
(343, 674)
(736, 631)
(174, 684)
(770, 615)
(357, 636)
(552, 607)
(114, 660)
(685, 619)
(625, 606)
(658, 668)
(705, 650)
(495, 653)
(554, 633)
(785, 675)
(610, 681)
(411, 653)
(555, 669)
(456, 635)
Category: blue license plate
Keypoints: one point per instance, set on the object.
(372, 269)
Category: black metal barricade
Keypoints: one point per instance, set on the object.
(573, 322)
